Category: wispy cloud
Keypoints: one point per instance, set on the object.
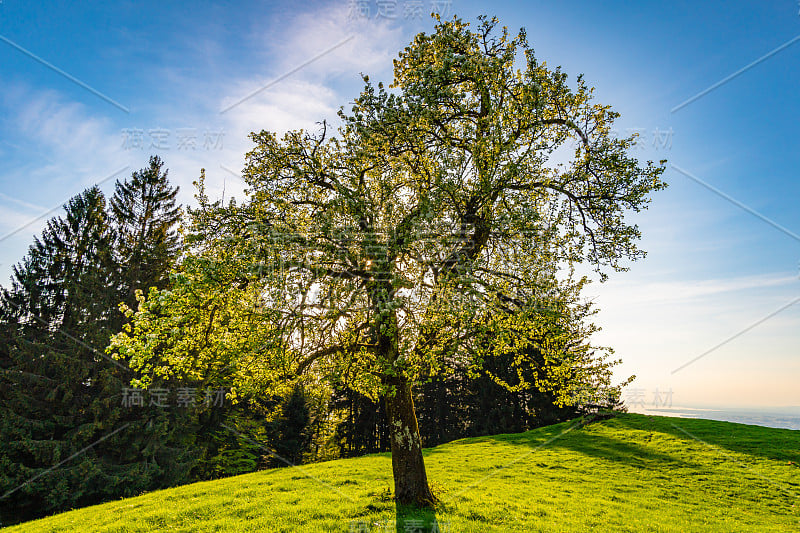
(62, 146)
(373, 45)
(63, 140)
(636, 292)
(655, 326)
(17, 201)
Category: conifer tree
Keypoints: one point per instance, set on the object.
(292, 430)
(145, 214)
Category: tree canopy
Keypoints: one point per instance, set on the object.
(443, 216)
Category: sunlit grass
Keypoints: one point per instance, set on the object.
(630, 473)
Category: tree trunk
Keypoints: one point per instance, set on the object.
(410, 479)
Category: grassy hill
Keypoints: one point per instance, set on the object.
(630, 473)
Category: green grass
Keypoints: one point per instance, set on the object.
(630, 473)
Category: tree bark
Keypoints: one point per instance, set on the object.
(410, 479)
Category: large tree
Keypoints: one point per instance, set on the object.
(441, 214)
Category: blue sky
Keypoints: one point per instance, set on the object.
(130, 79)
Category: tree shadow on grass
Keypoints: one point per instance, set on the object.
(604, 447)
(542, 434)
(621, 451)
(757, 441)
(409, 518)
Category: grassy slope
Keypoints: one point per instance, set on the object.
(632, 473)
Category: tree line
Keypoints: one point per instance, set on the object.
(68, 437)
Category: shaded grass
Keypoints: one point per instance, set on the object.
(630, 473)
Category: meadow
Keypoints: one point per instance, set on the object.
(628, 473)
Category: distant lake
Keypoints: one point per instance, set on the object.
(775, 417)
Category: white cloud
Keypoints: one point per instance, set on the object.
(290, 105)
(11, 219)
(369, 48)
(303, 99)
(17, 201)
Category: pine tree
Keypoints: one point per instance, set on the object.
(292, 435)
(145, 214)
